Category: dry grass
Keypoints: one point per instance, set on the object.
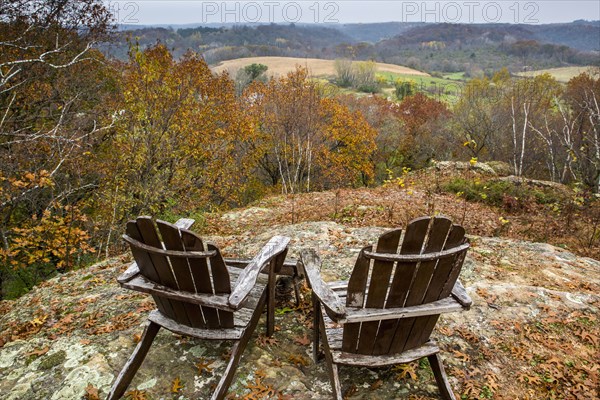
(563, 74)
(316, 67)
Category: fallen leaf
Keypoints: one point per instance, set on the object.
(136, 395)
(38, 352)
(176, 386)
(377, 384)
(302, 341)
(298, 360)
(91, 392)
(203, 365)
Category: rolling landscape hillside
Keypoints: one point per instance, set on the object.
(476, 48)
(329, 135)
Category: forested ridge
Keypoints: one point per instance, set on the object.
(476, 48)
(88, 141)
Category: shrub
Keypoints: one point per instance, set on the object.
(507, 195)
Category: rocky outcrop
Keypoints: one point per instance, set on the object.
(533, 331)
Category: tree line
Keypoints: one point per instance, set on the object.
(88, 142)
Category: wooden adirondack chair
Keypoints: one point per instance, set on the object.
(195, 292)
(393, 300)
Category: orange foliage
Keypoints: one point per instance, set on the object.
(179, 140)
(308, 141)
(56, 238)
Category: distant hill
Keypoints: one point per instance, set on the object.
(581, 35)
(578, 35)
(239, 40)
(474, 48)
(376, 32)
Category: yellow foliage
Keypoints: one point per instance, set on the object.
(55, 237)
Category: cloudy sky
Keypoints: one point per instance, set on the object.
(344, 11)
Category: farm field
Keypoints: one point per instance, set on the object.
(563, 74)
(316, 67)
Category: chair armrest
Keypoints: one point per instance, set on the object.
(247, 278)
(461, 295)
(129, 273)
(185, 223)
(312, 265)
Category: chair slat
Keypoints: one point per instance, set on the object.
(200, 273)
(438, 234)
(172, 241)
(221, 283)
(375, 339)
(146, 266)
(356, 295)
(162, 266)
(413, 243)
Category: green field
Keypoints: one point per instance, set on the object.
(447, 89)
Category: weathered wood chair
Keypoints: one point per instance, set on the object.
(195, 292)
(393, 300)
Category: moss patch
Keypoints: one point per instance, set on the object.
(53, 360)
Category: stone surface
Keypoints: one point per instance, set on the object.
(80, 328)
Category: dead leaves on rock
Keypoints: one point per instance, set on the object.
(38, 352)
(404, 371)
(260, 390)
(548, 357)
(91, 393)
(204, 366)
(136, 395)
(263, 340)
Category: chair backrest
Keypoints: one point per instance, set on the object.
(377, 283)
(160, 256)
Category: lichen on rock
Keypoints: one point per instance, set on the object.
(535, 309)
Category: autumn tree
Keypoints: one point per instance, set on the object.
(179, 142)
(245, 76)
(526, 101)
(305, 139)
(53, 84)
(478, 127)
(582, 96)
(358, 74)
(424, 119)
(384, 116)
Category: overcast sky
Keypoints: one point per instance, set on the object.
(146, 12)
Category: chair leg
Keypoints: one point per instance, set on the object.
(296, 282)
(332, 369)
(271, 300)
(334, 376)
(237, 351)
(134, 362)
(223, 387)
(316, 326)
(440, 376)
